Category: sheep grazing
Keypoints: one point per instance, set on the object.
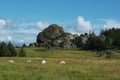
(28, 61)
(43, 62)
(10, 61)
(62, 62)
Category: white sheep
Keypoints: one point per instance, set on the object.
(10, 61)
(62, 62)
(28, 61)
(43, 62)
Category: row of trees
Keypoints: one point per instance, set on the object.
(113, 35)
(108, 39)
(8, 50)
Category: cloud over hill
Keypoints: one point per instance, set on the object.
(25, 31)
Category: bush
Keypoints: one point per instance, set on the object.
(12, 49)
(109, 54)
(106, 53)
(22, 52)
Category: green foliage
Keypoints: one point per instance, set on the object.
(114, 37)
(24, 45)
(78, 41)
(4, 50)
(22, 52)
(12, 49)
(89, 42)
(7, 50)
(108, 39)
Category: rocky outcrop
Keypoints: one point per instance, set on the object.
(54, 36)
(53, 32)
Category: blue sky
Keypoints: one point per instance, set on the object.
(26, 18)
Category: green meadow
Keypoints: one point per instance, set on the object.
(80, 65)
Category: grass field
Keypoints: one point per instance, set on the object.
(80, 65)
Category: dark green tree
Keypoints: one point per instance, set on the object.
(22, 52)
(12, 49)
(113, 37)
(24, 45)
(0, 49)
(4, 50)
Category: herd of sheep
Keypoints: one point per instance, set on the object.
(42, 62)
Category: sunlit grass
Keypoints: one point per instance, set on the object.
(80, 65)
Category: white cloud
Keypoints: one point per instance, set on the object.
(21, 41)
(20, 32)
(2, 23)
(2, 39)
(10, 23)
(109, 23)
(26, 32)
(5, 38)
(9, 38)
(41, 25)
(82, 25)
(103, 24)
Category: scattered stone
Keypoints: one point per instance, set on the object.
(43, 62)
(11, 61)
(28, 61)
(62, 62)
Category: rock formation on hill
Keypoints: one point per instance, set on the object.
(54, 36)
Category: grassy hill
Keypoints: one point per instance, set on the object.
(80, 65)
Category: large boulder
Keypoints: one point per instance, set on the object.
(54, 36)
(42, 39)
(53, 31)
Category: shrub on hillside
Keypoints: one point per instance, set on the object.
(12, 49)
(22, 52)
